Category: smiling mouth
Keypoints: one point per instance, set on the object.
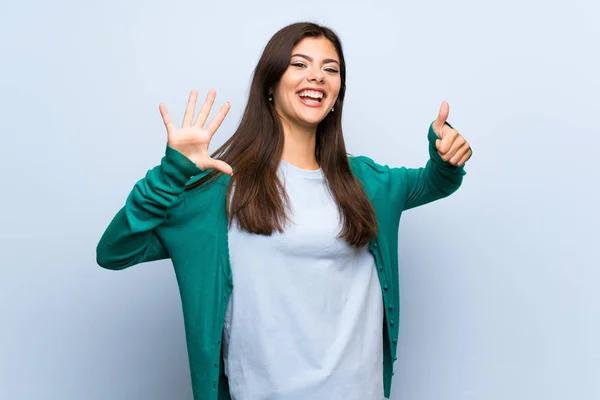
(311, 97)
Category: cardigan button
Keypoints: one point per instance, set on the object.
(385, 287)
(392, 322)
(394, 340)
(390, 306)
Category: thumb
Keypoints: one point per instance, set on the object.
(442, 117)
(222, 166)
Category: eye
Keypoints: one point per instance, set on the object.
(298, 64)
(332, 70)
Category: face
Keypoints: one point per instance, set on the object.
(308, 89)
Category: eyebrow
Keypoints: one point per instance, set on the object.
(325, 61)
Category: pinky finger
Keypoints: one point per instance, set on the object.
(465, 157)
(166, 119)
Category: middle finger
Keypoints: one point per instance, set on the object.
(205, 110)
(457, 143)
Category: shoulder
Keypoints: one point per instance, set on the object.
(365, 168)
(385, 186)
(375, 176)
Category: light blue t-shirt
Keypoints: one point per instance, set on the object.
(305, 317)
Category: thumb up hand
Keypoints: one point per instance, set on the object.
(451, 146)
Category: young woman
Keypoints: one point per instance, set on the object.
(284, 247)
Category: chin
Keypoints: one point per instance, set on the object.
(312, 120)
(306, 119)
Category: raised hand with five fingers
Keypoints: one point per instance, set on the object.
(192, 138)
(451, 146)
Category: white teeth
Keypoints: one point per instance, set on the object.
(311, 93)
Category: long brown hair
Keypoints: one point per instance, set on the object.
(258, 202)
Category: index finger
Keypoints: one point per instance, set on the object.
(218, 119)
(445, 144)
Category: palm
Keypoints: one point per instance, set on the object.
(192, 139)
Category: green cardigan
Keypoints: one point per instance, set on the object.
(162, 220)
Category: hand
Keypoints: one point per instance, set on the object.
(192, 139)
(451, 146)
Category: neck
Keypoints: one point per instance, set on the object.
(299, 146)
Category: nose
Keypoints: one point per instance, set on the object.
(317, 76)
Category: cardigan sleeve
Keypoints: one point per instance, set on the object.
(131, 237)
(412, 187)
